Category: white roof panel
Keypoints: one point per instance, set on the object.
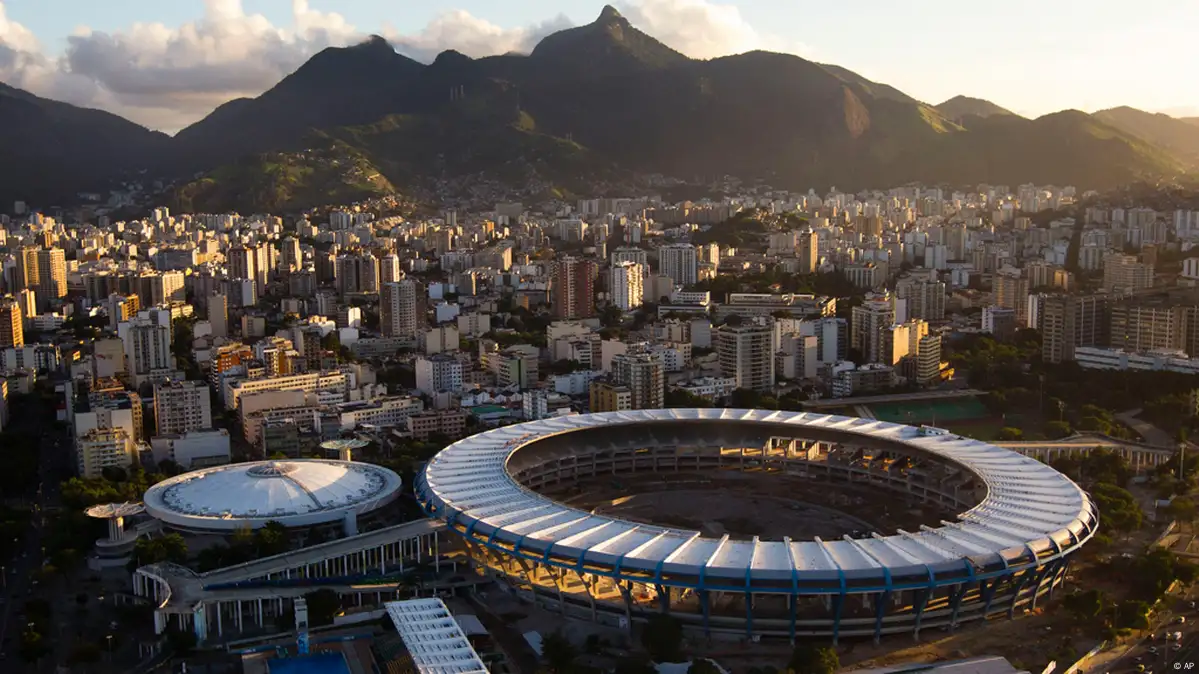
(1026, 502)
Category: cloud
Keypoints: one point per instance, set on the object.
(166, 77)
(702, 29)
(463, 32)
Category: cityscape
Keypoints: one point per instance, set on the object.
(585, 350)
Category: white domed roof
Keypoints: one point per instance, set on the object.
(294, 493)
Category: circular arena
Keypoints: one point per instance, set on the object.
(1006, 529)
(295, 493)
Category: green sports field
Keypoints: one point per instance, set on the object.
(932, 412)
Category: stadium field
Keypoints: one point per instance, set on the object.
(931, 412)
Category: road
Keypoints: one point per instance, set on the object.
(1166, 658)
(18, 583)
(1152, 434)
(939, 394)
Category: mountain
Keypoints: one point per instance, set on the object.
(609, 47)
(960, 107)
(593, 107)
(326, 172)
(1191, 120)
(339, 86)
(52, 150)
(1174, 135)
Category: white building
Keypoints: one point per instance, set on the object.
(438, 373)
(389, 412)
(1100, 358)
(194, 449)
(627, 285)
(330, 387)
(182, 406)
(679, 261)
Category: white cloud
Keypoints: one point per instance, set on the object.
(702, 29)
(166, 77)
(471, 35)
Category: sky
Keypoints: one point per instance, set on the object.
(168, 63)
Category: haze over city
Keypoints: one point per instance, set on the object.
(167, 64)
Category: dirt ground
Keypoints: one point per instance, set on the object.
(745, 504)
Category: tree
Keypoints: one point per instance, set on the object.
(662, 638)
(1057, 429)
(557, 652)
(33, 647)
(1181, 508)
(271, 539)
(1010, 433)
(813, 659)
(611, 316)
(1120, 509)
(678, 398)
(323, 606)
(1085, 605)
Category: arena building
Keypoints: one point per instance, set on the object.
(1002, 530)
(297, 493)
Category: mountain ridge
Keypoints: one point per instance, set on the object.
(609, 96)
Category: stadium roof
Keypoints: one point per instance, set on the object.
(1028, 507)
(296, 492)
(433, 638)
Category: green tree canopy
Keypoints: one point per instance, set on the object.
(813, 659)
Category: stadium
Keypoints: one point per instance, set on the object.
(297, 493)
(892, 528)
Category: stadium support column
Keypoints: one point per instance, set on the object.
(220, 630)
(989, 594)
(921, 603)
(1011, 611)
(627, 595)
(882, 600)
(793, 610)
(1048, 570)
(706, 609)
(200, 623)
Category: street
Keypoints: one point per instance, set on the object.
(18, 584)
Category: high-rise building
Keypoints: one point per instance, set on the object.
(402, 308)
(807, 249)
(290, 255)
(637, 255)
(102, 448)
(679, 261)
(627, 285)
(746, 354)
(389, 269)
(1148, 326)
(869, 323)
(1124, 273)
(52, 276)
(241, 261)
(27, 269)
(218, 314)
(1071, 321)
(12, 324)
(645, 376)
(356, 273)
(573, 288)
(1011, 292)
(147, 346)
(440, 372)
(925, 298)
(182, 406)
(928, 360)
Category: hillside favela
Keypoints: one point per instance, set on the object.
(665, 337)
